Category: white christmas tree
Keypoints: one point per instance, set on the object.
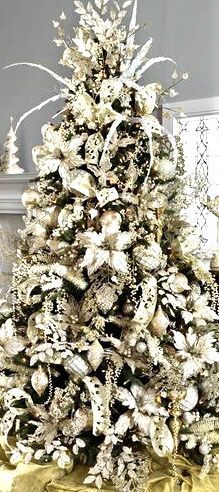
(110, 354)
(9, 160)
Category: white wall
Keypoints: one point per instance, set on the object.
(186, 30)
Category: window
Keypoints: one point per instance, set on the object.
(199, 132)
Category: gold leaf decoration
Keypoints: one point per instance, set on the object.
(159, 323)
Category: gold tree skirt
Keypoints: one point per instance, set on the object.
(50, 478)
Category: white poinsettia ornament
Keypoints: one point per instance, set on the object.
(195, 351)
(57, 152)
(108, 246)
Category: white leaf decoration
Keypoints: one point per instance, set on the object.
(89, 479)
(152, 62)
(80, 7)
(143, 422)
(98, 3)
(126, 398)
(124, 423)
(139, 59)
(127, 4)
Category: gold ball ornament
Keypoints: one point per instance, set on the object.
(165, 169)
(157, 200)
(40, 381)
(30, 198)
(128, 308)
(159, 323)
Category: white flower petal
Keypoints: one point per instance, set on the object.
(123, 423)
(90, 239)
(118, 261)
(180, 341)
(123, 241)
(191, 338)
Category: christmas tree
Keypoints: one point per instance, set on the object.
(110, 354)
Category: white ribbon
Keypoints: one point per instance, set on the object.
(37, 108)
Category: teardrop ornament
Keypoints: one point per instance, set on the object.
(40, 381)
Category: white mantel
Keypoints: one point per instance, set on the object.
(11, 211)
(11, 189)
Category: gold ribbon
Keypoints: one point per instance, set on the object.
(74, 483)
(50, 478)
(162, 480)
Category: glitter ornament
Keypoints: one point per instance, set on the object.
(78, 365)
(159, 323)
(105, 298)
(165, 169)
(161, 439)
(148, 258)
(40, 381)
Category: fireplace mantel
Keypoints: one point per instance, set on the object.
(11, 189)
